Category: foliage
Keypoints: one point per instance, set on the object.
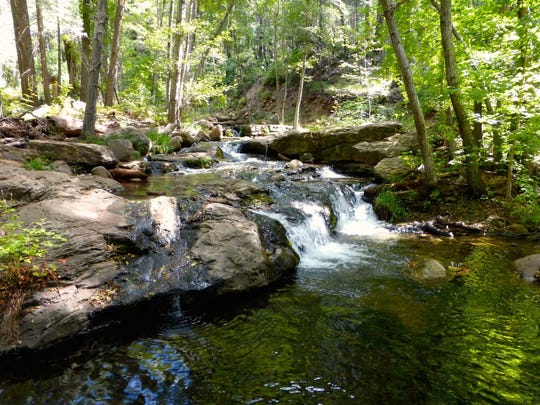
(37, 163)
(388, 207)
(160, 141)
(22, 269)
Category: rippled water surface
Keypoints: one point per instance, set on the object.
(359, 331)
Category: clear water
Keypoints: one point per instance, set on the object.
(353, 328)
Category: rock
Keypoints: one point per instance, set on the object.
(518, 229)
(17, 154)
(333, 141)
(61, 166)
(372, 191)
(122, 149)
(429, 269)
(101, 171)
(26, 185)
(307, 158)
(196, 160)
(216, 134)
(138, 138)
(392, 169)
(229, 244)
(294, 164)
(164, 212)
(120, 256)
(120, 173)
(176, 143)
(189, 138)
(202, 136)
(528, 268)
(85, 154)
(66, 125)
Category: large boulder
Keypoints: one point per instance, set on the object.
(122, 149)
(295, 143)
(85, 154)
(140, 141)
(528, 268)
(231, 246)
(392, 169)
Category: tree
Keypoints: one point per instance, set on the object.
(115, 51)
(472, 164)
(23, 41)
(45, 79)
(430, 178)
(86, 10)
(93, 80)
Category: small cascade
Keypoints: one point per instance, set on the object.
(356, 217)
(311, 234)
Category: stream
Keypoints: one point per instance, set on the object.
(353, 327)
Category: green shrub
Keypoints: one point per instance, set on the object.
(22, 268)
(37, 163)
(160, 142)
(388, 207)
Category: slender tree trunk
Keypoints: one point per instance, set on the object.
(93, 82)
(86, 48)
(497, 137)
(430, 178)
(175, 62)
(72, 62)
(115, 52)
(478, 132)
(23, 42)
(285, 93)
(472, 166)
(58, 59)
(185, 51)
(276, 61)
(296, 123)
(45, 80)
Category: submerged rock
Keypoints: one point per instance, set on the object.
(429, 269)
(528, 268)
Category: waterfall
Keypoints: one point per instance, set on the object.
(313, 238)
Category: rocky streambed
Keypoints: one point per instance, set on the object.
(201, 238)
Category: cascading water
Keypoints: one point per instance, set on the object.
(320, 244)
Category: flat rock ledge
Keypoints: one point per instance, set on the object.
(120, 255)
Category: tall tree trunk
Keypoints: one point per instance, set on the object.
(115, 51)
(45, 79)
(296, 122)
(23, 42)
(276, 61)
(175, 62)
(472, 165)
(93, 82)
(185, 51)
(430, 178)
(72, 62)
(86, 48)
(56, 93)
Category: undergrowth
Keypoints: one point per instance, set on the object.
(22, 268)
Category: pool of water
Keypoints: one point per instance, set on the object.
(358, 331)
